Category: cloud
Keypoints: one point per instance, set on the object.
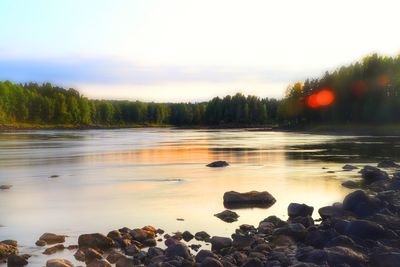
(112, 71)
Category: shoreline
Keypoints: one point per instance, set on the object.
(361, 130)
(364, 230)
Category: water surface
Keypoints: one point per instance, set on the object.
(108, 179)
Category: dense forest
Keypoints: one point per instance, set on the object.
(46, 104)
(367, 91)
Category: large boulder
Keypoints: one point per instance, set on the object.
(227, 216)
(329, 212)
(95, 240)
(372, 174)
(253, 198)
(219, 242)
(365, 229)
(359, 203)
(51, 238)
(16, 261)
(59, 263)
(218, 164)
(302, 210)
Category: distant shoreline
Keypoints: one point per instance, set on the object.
(358, 129)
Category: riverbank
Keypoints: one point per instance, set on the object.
(364, 230)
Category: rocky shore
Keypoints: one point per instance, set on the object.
(364, 230)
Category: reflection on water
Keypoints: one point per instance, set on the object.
(135, 177)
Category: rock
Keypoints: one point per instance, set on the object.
(131, 250)
(319, 238)
(177, 250)
(201, 236)
(151, 242)
(124, 262)
(341, 241)
(51, 238)
(372, 174)
(155, 252)
(53, 249)
(253, 198)
(294, 230)
(365, 229)
(306, 221)
(350, 184)
(5, 187)
(385, 259)
(349, 167)
(218, 243)
(359, 203)
(242, 241)
(302, 210)
(211, 262)
(114, 256)
(227, 216)
(141, 235)
(187, 236)
(40, 243)
(333, 212)
(95, 240)
(54, 176)
(218, 164)
(13, 243)
(311, 255)
(203, 254)
(253, 262)
(387, 163)
(59, 263)
(7, 250)
(99, 263)
(16, 261)
(114, 235)
(340, 255)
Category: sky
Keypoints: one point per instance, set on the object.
(187, 50)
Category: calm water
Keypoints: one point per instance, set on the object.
(134, 177)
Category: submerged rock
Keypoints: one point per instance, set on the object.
(387, 163)
(5, 187)
(235, 199)
(349, 167)
(218, 164)
(227, 216)
(350, 184)
(54, 249)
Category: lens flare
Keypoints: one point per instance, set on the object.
(322, 98)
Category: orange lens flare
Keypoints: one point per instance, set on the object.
(322, 98)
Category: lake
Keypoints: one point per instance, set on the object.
(108, 179)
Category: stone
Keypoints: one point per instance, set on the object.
(201, 236)
(359, 203)
(40, 243)
(294, 230)
(219, 242)
(124, 262)
(155, 252)
(5, 187)
(13, 243)
(53, 249)
(187, 236)
(328, 212)
(365, 229)
(387, 163)
(234, 199)
(177, 250)
(114, 256)
(95, 240)
(51, 238)
(16, 261)
(302, 210)
(372, 174)
(349, 167)
(59, 263)
(99, 263)
(350, 184)
(114, 235)
(227, 216)
(203, 254)
(340, 255)
(141, 235)
(211, 262)
(218, 164)
(385, 259)
(242, 241)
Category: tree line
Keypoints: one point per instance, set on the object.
(47, 104)
(367, 91)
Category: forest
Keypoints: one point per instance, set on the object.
(367, 91)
